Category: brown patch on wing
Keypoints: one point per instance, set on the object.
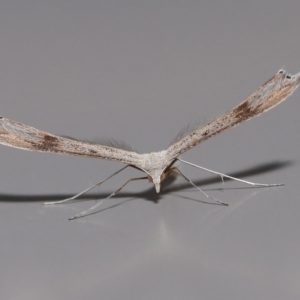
(50, 139)
(48, 143)
(243, 112)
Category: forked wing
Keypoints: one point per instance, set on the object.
(21, 136)
(274, 91)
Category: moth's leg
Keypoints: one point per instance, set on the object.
(194, 185)
(230, 177)
(88, 189)
(86, 212)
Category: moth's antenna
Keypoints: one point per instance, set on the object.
(88, 189)
(230, 177)
(86, 212)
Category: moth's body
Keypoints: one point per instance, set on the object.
(155, 164)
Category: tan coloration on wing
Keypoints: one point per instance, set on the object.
(274, 91)
(21, 136)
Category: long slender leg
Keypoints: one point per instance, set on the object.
(84, 213)
(88, 189)
(194, 185)
(227, 176)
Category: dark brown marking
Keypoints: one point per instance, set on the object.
(48, 143)
(243, 111)
(205, 133)
(50, 139)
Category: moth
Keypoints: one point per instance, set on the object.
(156, 165)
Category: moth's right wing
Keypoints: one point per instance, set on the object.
(22, 136)
(273, 92)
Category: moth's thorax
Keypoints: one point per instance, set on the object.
(154, 160)
(154, 164)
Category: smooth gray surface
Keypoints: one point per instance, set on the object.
(139, 71)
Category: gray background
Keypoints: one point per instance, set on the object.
(139, 71)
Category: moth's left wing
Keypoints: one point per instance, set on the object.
(22, 136)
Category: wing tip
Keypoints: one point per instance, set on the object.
(291, 78)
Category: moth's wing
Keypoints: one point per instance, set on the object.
(21, 136)
(274, 91)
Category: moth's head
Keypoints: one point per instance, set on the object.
(157, 180)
